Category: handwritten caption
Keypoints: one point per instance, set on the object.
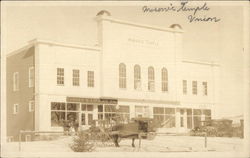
(192, 17)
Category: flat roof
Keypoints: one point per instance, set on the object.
(35, 41)
(40, 41)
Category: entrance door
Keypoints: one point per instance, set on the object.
(86, 118)
(86, 115)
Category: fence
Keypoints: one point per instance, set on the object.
(34, 132)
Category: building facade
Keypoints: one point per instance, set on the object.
(135, 70)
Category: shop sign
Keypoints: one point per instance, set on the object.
(92, 100)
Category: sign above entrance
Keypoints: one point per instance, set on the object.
(92, 100)
(144, 42)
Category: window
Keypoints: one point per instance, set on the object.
(184, 86)
(207, 114)
(164, 117)
(182, 117)
(122, 75)
(123, 113)
(194, 87)
(106, 112)
(197, 117)
(58, 114)
(60, 76)
(137, 77)
(31, 76)
(151, 79)
(15, 109)
(204, 85)
(164, 80)
(31, 105)
(90, 78)
(182, 121)
(87, 114)
(189, 119)
(63, 112)
(76, 77)
(141, 111)
(15, 81)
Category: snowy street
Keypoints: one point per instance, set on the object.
(159, 144)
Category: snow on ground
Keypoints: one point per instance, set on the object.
(159, 144)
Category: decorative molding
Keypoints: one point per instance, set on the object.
(148, 101)
(139, 25)
(201, 62)
(40, 41)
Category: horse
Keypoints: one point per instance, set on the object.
(131, 130)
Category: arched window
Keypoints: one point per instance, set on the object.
(122, 75)
(137, 77)
(164, 79)
(151, 79)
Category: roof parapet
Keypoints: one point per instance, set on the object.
(107, 17)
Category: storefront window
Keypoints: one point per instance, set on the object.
(57, 118)
(86, 107)
(197, 121)
(87, 114)
(164, 117)
(182, 121)
(158, 110)
(90, 119)
(169, 111)
(57, 106)
(83, 119)
(169, 117)
(197, 117)
(60, 112)
(106, 112)
(123, 113)
(100, 112)
(207, 114)
(141, 111)
(189, 118)
(72, 106)
(169, 121)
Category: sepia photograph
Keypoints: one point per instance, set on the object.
(125, 79)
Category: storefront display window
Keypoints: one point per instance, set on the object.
(60, 112)
(164, 117)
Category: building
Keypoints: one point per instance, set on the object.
(135, 68)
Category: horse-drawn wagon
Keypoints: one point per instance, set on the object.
(138, 128)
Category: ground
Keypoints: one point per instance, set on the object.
(162, 143)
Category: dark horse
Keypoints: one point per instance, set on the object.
(131, 130)
(117, 137)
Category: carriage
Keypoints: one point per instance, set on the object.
(137, 128)
(215, 127)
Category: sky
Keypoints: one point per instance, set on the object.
(220, 42)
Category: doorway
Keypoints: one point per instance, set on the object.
(86, 115)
